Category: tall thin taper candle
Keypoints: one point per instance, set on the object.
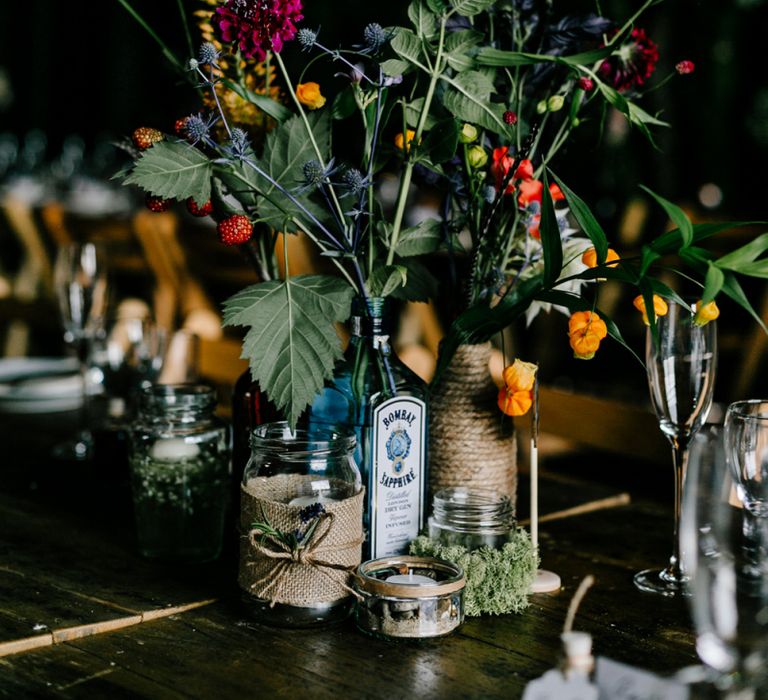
(535, 465)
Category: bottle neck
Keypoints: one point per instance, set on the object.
(372, 320)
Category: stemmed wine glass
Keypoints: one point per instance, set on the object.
(727, 583)
(80, 282)
(681, 375)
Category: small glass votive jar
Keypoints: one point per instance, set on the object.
(471, 518)
(408, 597)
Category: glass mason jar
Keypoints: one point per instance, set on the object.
(385, 404)
(299, 469)
(179, 456)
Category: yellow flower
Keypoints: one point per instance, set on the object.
(468, 133)
(405, 143)
(705, 314)
(516, 397)
(660, 307)
(477, 157)
(589, 258)
(309, 95)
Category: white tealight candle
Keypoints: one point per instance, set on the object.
(173, 450)
(411, 579)
(309, 500)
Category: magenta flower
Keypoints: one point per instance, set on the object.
(685, 67)
(258, 26)
(632, 64)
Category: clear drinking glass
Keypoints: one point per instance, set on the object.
(681, 376)
(725, 558)
(80, 282)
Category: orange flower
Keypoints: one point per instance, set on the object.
(705, 314)
(516, 397)
(502, 163)
(309, 95)
(530, 191)
(589, 258)
(585, 331)
(404, 143)
(660, 307)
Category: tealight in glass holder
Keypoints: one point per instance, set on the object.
(409, 597)
(471, 518)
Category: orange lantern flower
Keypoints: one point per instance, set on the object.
(705, 314)
(516, 396)
(585, 332)
(660, 307)
(589, 258)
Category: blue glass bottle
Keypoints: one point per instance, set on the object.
(386, 404)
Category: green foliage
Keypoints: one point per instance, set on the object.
(292, 343)
(173, 170)
(468, 97)
(421, 239)
(498, 581)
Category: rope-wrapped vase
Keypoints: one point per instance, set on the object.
(471, 443)
(290, 556)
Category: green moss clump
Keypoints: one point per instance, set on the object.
(498, 581)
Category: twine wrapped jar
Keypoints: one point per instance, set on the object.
(301, 525)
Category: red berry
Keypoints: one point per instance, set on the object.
(685, 67)
(180, 127)
(144, 137)
(510, 117)
(586, 84)
(235, 229)
(157, 204)
(195, 210)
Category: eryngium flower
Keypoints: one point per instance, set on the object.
(258, 26)
(375, 37)
(196, 128)
(307, 38)
(239, 143)
(633, 64)
(208, 53)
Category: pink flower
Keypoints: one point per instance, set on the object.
(586, 84)
(685, 67)
(632, 64)
(259, 26)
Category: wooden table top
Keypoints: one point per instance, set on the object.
(68, 565)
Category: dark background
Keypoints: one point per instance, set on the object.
(87, 68)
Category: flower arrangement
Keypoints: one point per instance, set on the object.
(475, 99)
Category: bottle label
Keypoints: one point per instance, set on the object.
(398, 484)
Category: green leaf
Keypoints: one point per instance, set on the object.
(457, 46)
(437, 6)
(422, 18)
(421, 284)
(386, 279)
(407, 45)
(292, 343)
(649, 256)
(344, 105)
(636, 116)
(470, 8)
(713, 283)
(413, 113)
(441, 141)
(277, 111)
(678, 216)
(586, 221)
(732, 289)
(670, 241)
(468, 98)
(395, 66)
(551, 243)
(422, 239)
(497, 58)
(746, 254)
(755, 269)
(173, 170)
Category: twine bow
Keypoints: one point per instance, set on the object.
(308, 554)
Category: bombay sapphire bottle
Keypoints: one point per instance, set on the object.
(385, 404)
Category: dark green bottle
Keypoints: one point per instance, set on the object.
(386, 405)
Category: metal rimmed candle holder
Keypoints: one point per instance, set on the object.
(409, 597)
(472, 518)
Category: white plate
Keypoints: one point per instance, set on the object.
(39, 385)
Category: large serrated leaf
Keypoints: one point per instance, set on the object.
(422, 239)
(173, 170)
(266, 104)
(407, 45)
(420, 285)
(470, 8)
(441, 141)
(457, 46)
(395, 66)
(422, 18)
(468, 97)
(386, 279)
(292, 343)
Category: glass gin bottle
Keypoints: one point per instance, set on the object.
(386, 405)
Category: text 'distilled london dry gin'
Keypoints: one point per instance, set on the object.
(385, 403)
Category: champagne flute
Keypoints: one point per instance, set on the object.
(80, 282)
(681, 377)
(729, 594)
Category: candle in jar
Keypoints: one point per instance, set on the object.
(174, 450)
(411, 579)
